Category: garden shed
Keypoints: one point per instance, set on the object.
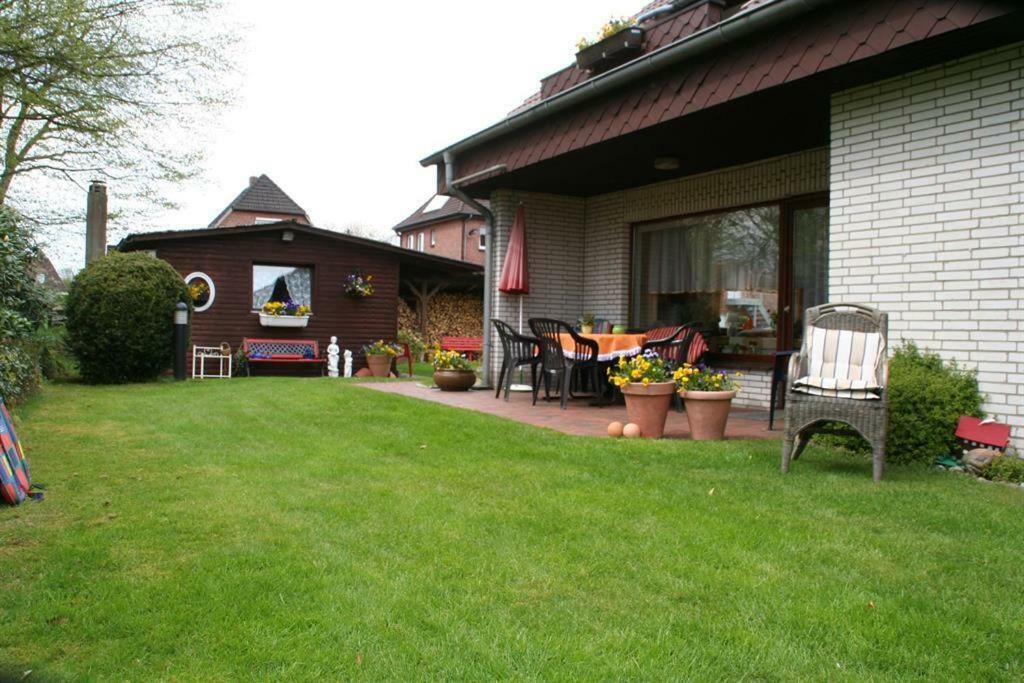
(236, 270)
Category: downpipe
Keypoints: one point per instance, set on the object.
(450, 182)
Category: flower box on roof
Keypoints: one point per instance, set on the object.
(612, 51)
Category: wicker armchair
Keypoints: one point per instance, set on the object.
(840, 375)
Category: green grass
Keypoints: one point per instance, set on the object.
(294, 529)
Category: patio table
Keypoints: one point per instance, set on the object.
(610, 347)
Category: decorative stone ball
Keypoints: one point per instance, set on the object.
(631, 431)
(364, 372)
(615, 430)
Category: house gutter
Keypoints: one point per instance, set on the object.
(453, 188)
(734, 28)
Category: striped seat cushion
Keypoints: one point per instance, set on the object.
(842, 364)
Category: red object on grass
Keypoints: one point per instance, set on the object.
(515, 278)
(991, 434)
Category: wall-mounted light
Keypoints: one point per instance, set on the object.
(666, 163)
(287, 236)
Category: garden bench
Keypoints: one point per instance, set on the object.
(471, 346)
(297, 351)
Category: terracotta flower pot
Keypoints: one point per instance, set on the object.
(454, 380)
(647, 407)
(707, 412)
(379, 364)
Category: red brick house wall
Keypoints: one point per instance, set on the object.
(457, 238)
(235, 218)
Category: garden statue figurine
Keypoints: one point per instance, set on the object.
(332, 357)
(348, 363)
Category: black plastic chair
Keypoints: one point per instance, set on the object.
(674, 349)
(554, 362)
(519, 350)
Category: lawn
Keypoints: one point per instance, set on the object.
(294, 528)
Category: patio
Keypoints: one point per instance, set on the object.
(580, 418)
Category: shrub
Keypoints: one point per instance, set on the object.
(417, 346)
(1005, 468)
(926, 397)
(25, 307)
(120, 317)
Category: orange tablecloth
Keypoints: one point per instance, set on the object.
(609, 346)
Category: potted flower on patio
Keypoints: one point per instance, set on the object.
(587, 321)
(378, 357)
(452, 371)
(647, 385)
(284, 314)
(619, 40)
(708, 396)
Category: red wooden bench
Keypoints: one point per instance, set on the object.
(471, 346)
(300, 351)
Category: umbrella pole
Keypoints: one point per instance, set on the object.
(520, 386)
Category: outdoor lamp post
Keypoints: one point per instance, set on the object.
(180, 339)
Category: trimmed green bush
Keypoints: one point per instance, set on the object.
(926, 398)
(120, 317)
(1005, 468)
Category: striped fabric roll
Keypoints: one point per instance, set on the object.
(842, 363)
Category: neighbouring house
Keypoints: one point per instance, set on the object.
(261, 203)
(44, 273)
(735, 163)
(243, 267)
(445, 226)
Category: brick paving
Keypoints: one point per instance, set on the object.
(579, 418)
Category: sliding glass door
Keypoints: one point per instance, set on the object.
(744, 276)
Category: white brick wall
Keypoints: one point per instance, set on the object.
(927, 213)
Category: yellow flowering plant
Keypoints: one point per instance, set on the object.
(648, 368)
(381, 348)
(450, 360)
(285, 308)
(610, 28)
(702, 378)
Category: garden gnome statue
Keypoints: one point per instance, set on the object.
(348, 363)
(332, 357)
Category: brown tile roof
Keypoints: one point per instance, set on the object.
(840, 35)
(50, 277)
(262, 195)
(452, 207)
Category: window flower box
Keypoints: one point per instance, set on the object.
(611, 51)
(283, 320)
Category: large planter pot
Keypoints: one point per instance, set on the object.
(379, 364)
(707, 413)
(454, 380)
(283, 320)
(647, 406)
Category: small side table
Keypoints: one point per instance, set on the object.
(202, 354)
(779, 372)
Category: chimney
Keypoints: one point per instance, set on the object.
(96, 222)
(252, 180)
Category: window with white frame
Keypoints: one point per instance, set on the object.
(410, 242)
(481, 239)
(433, 238)
(419, 241)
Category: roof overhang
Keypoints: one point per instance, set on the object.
(413, 260)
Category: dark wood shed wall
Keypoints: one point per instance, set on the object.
(228, 261)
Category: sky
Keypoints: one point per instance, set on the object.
(338, 101)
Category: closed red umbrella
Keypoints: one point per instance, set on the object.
(515, 277)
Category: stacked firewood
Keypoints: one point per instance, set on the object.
(448, 315)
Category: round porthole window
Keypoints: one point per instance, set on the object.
(202, 290)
